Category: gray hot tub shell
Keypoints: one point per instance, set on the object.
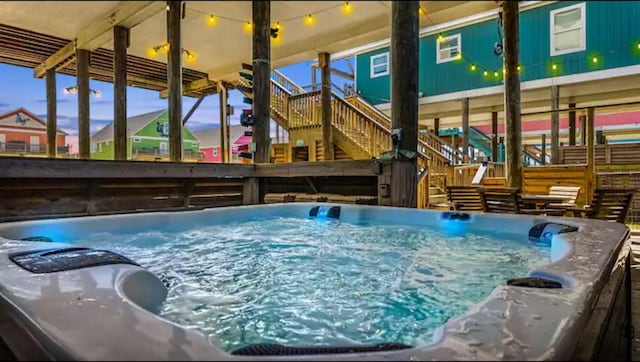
(105, 312)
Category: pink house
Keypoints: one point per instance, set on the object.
(210, 142)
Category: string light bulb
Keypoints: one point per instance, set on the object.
(277, 26)
(594, 59)
(440, 38)
(638, 45)
(248, 27)
(212, 20)
(554, 66)
(495, 74)
(421, 11)
(347, 8)
(473, 67)
(518, 68)
(165, 47)
(485, 73)
(309, 20)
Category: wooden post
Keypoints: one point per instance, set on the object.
(314, 82)
(543, 147)
(513, 129)
(591, 148)
(251, 191)
(324, 61)
(436, 126)
(261, 79)
(494, 136)
(465, 129)
(583, 129)
(120, 45)
(404, 98)
(174, 80)
(52, 115)
(572, 124)
(555, 124)
(224, 125)
(82, 61)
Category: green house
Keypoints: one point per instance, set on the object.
(147, 139)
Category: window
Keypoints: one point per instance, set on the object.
(194, 145)
(93, 148)
(448, 49)
(99, 147)
(215, 152)
(380, 65)
(137, 139)
(568, 30)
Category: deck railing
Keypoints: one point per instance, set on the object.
(30, 148)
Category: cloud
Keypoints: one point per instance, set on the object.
(70, 123)
(4, 105)
(59, 100)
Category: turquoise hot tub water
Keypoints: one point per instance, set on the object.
(309, 281)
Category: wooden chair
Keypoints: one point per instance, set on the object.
(464, 198)
(608, 204)
(569, 192)
(507, 201)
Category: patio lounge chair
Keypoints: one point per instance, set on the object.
(464, 198)
(608, 204)
(569, 192)
(507, 201)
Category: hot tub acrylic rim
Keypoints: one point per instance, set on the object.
(444, 334)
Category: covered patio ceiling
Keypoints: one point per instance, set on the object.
(218, 50)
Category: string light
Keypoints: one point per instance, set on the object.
(212, 20)
(554, 66)
(440, 38)
(421, 11)
(638, 45)
(495, 74)
(473, 67)
(309, 20)
(248, 27)
(74, 90)
(518, 68)
(347, 8)
(485, 73)
(594, 59)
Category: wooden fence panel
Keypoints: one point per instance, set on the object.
(536, 180)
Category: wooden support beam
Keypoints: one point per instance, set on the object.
(436, 126)
(543, 147)
(224, 124)
(261, 79)
(82, 66)
(465, 129)
(314, 81)
(196, 85)
(130, 14)
(555, 124)
(572, 125)
(324, 60)
(174, 79)
(130, 78)
(342, 74)
(513, 129)
(404, 97)
(52, 116)
(583, 129)
(591, 147)
(120, 45)
(192, 110)
(494, 136)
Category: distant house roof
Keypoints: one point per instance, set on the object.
(210, 137)
(21, 117)
(134, 124)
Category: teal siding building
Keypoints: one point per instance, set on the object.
(556, 39)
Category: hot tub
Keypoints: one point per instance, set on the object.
(68, 299)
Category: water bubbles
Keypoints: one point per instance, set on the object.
(305, 282)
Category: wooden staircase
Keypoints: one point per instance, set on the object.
(358, 132)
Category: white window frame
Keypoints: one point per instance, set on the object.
(439, 51)
(387, 64)
(583, 30)
(137, 139)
